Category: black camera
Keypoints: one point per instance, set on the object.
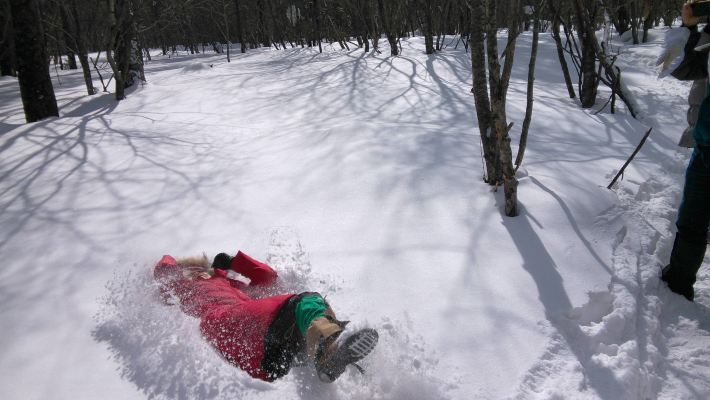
(701, 8)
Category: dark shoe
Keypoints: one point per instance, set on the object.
(664, 273)
(346, 350)
(683, 290)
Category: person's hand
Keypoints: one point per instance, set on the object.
(672, 54)
(687, 13)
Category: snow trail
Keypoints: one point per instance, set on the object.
(638, 340)
(624, 339)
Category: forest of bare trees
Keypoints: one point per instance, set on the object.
(35, 33)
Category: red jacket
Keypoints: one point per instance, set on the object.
(230, 320)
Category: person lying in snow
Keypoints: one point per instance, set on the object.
(261, 336)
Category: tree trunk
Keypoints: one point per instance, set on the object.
(531, 88)
(492, 116)
(36, 88)
(648, 20)
(612, 74)
(117, 76)
(7, 47)
(386, 26)
(480, 89)
(498, 102)
(590, 82)
(668, 17)
(123, 51)
(556, 21)
(316, 19)
(71, 58)
(635, 22)
(69, 42)
(86, 70)
(80, 43)
(263, 29)
(273, 27)
(427, 28)
(117, 52)
(494, 82)
(369, 28)
(620, 19)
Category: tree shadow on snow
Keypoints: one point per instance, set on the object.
(49, 167)
(538, 262)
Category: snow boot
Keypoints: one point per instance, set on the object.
(351, 349)
(333, 349)
(677, 285)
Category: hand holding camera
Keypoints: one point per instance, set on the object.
(695, 11)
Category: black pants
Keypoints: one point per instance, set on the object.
(283, 340)
(693, 217)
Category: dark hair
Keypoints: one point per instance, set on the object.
(222, 261)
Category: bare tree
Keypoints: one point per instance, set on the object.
(388, 14)
(219, 13)
(122, 51)
(7, 41)
(240, 26)
(534, 9)
(427, 24)
(36, 88)
(76, 37)
(491, 102)
(554, 7)
(585, 13)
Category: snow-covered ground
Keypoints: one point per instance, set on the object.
(359, 176)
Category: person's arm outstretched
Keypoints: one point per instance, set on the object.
(258, 272)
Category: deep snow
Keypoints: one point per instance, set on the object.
(357, 175)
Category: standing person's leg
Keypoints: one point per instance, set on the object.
(693, 217)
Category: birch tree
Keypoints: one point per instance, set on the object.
(491, 96)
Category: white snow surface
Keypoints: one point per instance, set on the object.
(359, 176)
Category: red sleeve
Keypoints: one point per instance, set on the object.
(166, 267)
(257, 272)
(165, 272)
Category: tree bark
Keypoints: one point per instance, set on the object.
(80, 43)
(36, 88)
(118, 46)
(620, 19)
(480, 88)
(612, 74)
(427, 26)
(494, 82)
(387, 27)
(123, 52)
(7, 41)
(648, 19)
(635, 22)
(531, 88)
(240, 26)
(317, 23)
(556, 21)
(263, 28)
(498, 104)
(69, 42)
(590, 82)
(491, 103)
